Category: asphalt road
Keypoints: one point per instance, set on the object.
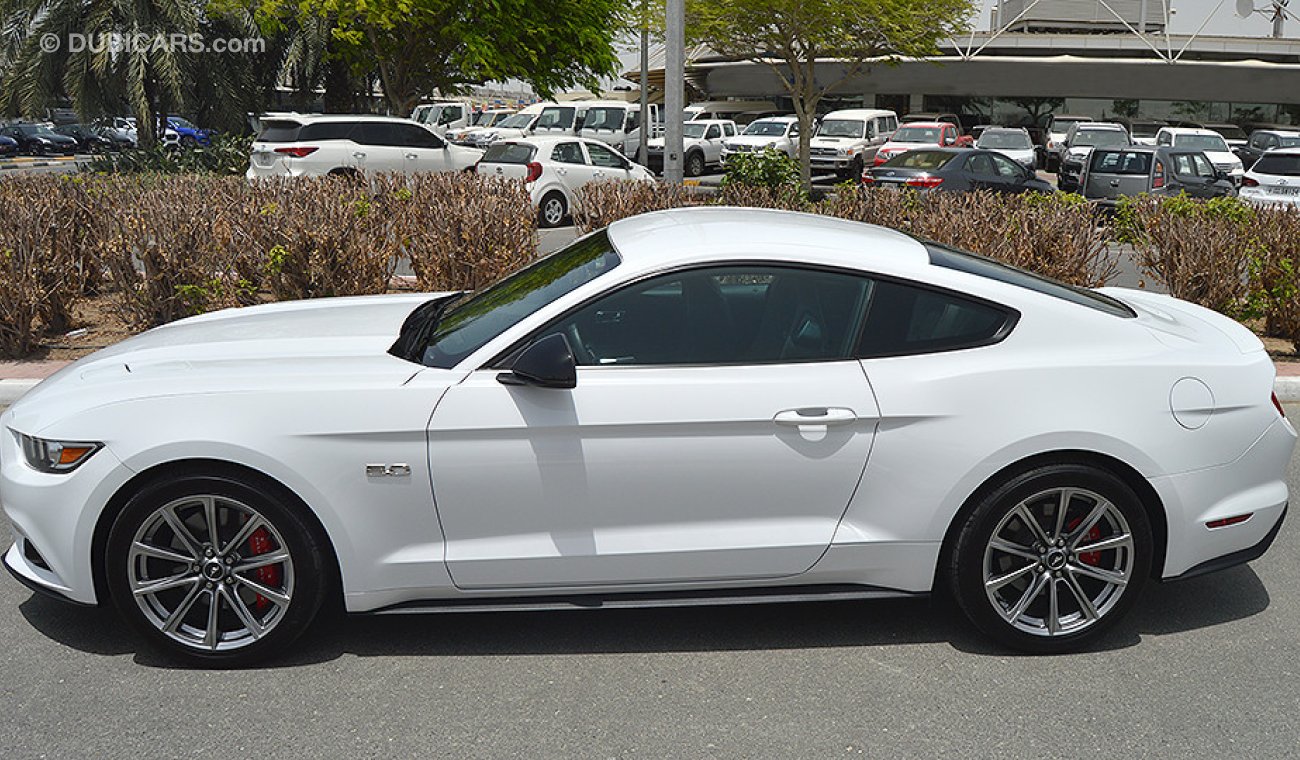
(1207, 668)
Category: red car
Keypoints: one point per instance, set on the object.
(919, 134)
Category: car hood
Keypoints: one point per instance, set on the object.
(754, 139)
(334, 342)
(1221, 157)
(835, 142)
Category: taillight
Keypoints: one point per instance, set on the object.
(297, 152)
(1278, 405)
(879, 159)
(1248, 182)
(534, 171)
(867, 179)
(1159, 179)
(924, 181)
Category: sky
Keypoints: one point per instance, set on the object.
(1190, 14)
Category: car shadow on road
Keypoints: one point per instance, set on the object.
(1164, 609)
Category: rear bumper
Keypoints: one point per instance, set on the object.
(1239, 557)
(1254, 484)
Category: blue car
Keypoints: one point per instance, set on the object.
(189, 135)
(8, 146)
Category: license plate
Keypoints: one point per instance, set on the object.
(1279, 190)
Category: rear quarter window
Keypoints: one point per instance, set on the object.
(904, 319)
(279, 131)
(981, 266)
(509, 153)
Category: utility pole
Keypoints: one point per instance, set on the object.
(647, 125)
(674, 89)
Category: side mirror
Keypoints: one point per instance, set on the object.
(548, 363)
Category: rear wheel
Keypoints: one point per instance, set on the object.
(215, 570)
(552, 210)
(1049, 560)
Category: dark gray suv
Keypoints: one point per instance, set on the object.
(1114, 173)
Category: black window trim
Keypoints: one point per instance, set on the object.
(1011, 317)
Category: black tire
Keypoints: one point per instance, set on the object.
(301, 581)
(188, 142)
(552, 210)
(1057, 572)
(694, 163)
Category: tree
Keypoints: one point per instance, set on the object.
(791, 36)
(1036, 108)
(419, 46)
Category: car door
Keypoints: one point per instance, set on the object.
(1011, 175)
(570, 165)
(379, 147)
(1187, 175)
(717, 430)
(981, 174)
(422, 150)
(1212, 186)
(605, 163)
(712, 144)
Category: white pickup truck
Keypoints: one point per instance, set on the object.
(702, 144)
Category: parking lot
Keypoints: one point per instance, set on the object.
(1203, 668)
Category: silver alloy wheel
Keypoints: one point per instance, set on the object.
(1058, 562)
(553, 210)
(210, 572)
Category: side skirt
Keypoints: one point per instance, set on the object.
(701, 598)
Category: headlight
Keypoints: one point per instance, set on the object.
(55, 456)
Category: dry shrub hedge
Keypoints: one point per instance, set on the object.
(603, 203)
(42, 259)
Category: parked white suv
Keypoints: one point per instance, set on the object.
(847, 139)
(305, 146)
(1210, 143)
(618, 124)
(702, 141)
(555, 168)
(777, 132)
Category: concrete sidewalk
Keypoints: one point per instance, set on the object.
(17, 377)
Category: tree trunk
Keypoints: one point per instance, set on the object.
(805, 108)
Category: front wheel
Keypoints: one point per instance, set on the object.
(695, 164)
(1049, 560)
(215, 570)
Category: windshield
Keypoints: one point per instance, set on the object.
(1004, 141)
(766, 129)
(179, 122)
(518, 121)
(920, 159)
(1099, 138)
(468, 325)
(842, 128)
(604, 118)
(916, 135)
(1061, 126)
(1230, 132)
(1277, 165)
(694, 129)
(557, 118)
(35, 129)
(1212, 143)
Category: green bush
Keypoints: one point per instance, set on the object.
(768, 168)
(225, 156)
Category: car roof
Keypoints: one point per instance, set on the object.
(305, 119)
(1293, 151)
(858, 113)
(1278, 132)
(927, 124)
(657, 239)
(1100, 125)
(547, 140)
(1190, 131)
(989, 130)
(776, 118)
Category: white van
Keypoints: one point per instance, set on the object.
(847, 140)
(618, 124)
(443, 116)
(561, 118)
(512, 127)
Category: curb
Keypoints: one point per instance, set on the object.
(11, 390)
(1287, 389)
(33, 163)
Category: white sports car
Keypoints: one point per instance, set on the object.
(692, 406)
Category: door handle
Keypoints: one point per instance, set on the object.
(815, 416)
(358, 155)
(412, 156)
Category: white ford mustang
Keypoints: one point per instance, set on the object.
(692, 406)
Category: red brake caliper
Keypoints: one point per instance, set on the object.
(269, 575)
(1094, 534)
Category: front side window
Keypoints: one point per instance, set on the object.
(604, 118)
(748, 314)
(713, 133)
(413, 136)
(471, 323)
(602, 156)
